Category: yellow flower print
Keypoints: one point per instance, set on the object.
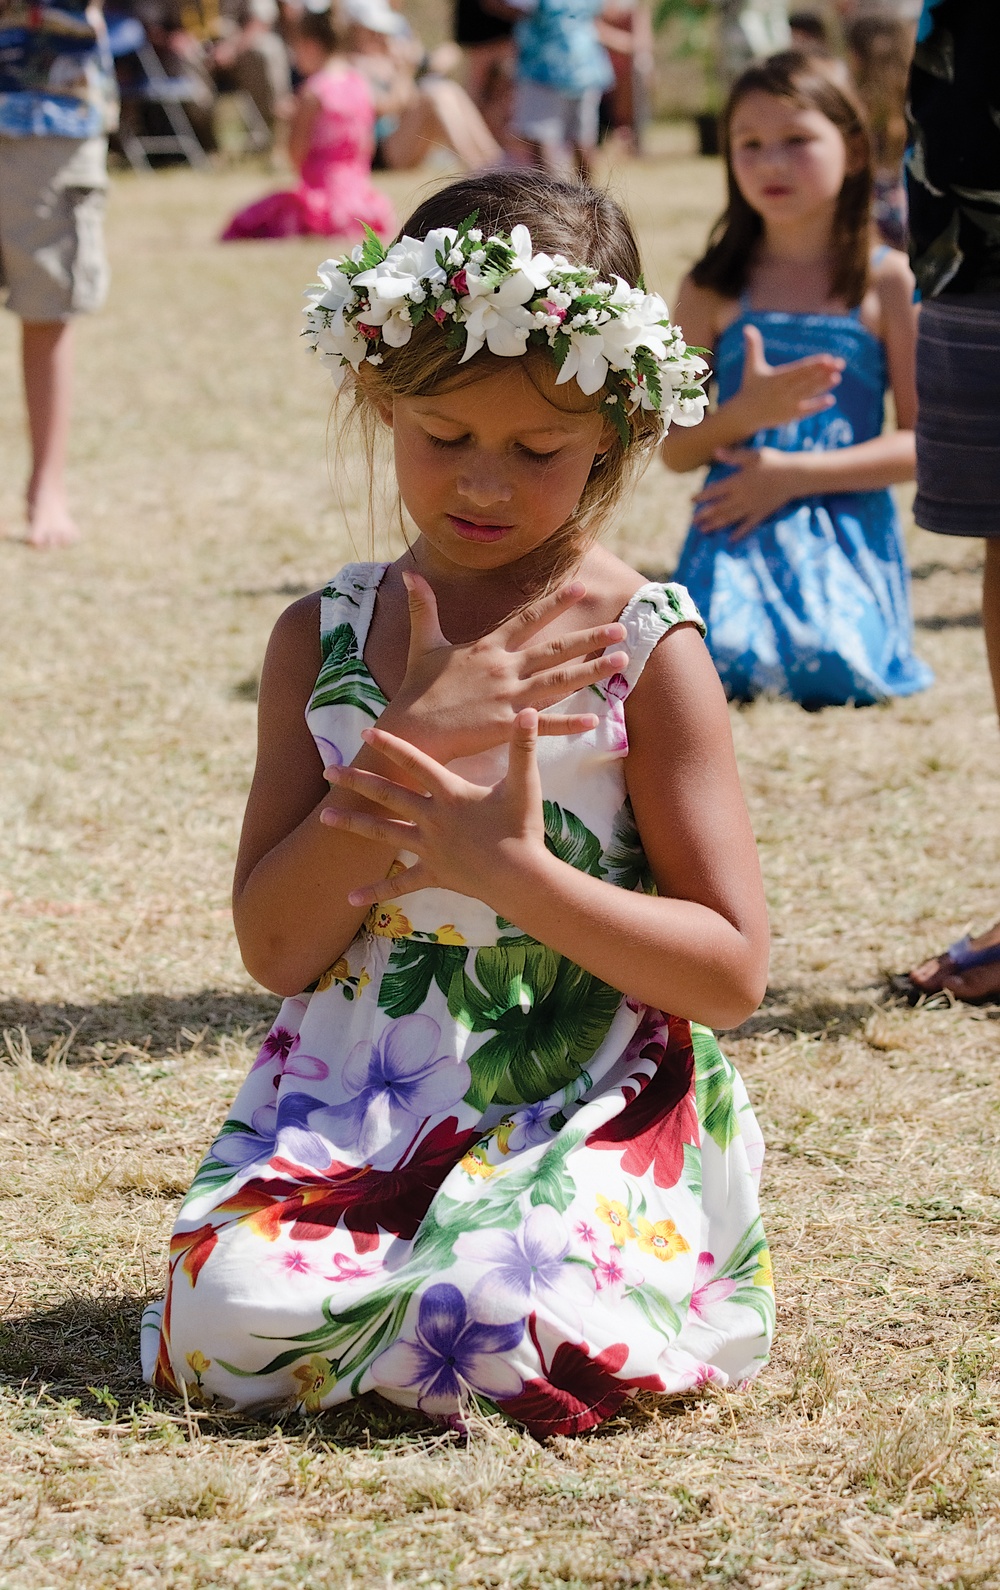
(662, 1241)
(764, 1274)
(388, 922)
(363, 980)
(615, 1215)
(198, 1363)
(475, 1162)
(503, 1134)
(449, 934)
(337, 973)
(315, 1378)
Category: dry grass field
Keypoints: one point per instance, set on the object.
(866, 1454)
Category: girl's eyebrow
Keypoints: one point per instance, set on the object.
(557, 428)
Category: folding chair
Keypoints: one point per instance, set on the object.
(127, 36)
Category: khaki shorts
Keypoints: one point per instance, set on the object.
(52, 193)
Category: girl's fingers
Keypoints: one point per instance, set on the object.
(380, 790)
(523, 742)
(578, 644)
(383, 830)
(546, 689)
(567, 723)
(422, 768)
(425, 626)
(407, 882)
(523, 624)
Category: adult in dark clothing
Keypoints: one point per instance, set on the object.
(953, 181)
(488, 46)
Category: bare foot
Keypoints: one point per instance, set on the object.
(50, 525)
(978, 983)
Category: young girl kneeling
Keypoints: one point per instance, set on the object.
(476, 1158)
(795, 556)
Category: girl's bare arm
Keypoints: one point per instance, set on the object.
(698, 949)
(769, 395)
(293, 875)
(301, 128)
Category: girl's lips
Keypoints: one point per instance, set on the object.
(478, 532)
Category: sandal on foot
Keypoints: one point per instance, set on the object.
(963, 959)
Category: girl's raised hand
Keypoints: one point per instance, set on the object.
(778, 394)
(456, 701)
(468, 837)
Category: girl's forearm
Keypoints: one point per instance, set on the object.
(675, 955)
(725, 426)
(887, 460)
(292, 915)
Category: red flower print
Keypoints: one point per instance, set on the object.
(661, 1116)
(192, 1248)
(312, 1203)
(577, 1391)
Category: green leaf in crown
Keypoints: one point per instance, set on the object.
(547, 1015)
(343, 680)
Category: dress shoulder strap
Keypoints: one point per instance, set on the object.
(651, 613)
(349, 599)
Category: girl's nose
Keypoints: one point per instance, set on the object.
(484, 486)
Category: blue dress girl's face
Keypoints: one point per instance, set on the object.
(490, 470)
(789, 162)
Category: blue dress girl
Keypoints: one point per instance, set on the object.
(795, 556)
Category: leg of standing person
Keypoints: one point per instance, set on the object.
(958, 464)
(53, 266)
(47, 357)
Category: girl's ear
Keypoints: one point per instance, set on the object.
(384, 410)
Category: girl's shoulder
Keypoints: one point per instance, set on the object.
(703, 313)
(888, 302)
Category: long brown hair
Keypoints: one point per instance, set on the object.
(567, 218)
(806, 81)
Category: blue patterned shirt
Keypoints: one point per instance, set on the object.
(557, 44)
(57, 78)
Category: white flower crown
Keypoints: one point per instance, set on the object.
(498, 292)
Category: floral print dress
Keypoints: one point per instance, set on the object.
(461, 1167)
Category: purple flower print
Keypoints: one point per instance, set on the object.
(274, 1128)
(454, 1353)
(331, 756)
(242, 1148)
(706, 1292)
(531, 1125)
(276, 1046)
(394, 1084)
(527, 1268)
(616, 689)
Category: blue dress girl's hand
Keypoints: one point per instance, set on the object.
(761, 481)
(779, 394)
(468, 837)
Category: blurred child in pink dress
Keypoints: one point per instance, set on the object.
(331, 141)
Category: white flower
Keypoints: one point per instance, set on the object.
(474, 235)
(503, 327)
(586, 362)
(690, 410)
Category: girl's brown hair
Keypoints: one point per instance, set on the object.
(805, 81)
(588, 228)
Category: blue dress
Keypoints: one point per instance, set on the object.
(814, 603)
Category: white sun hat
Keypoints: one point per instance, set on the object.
(375, 15)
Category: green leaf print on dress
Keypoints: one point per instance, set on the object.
(548, 1017)
(571, 840)
(343, 680)
(714, 1087)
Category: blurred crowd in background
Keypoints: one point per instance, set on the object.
(520, 81)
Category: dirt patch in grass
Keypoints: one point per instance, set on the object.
(866, 1453)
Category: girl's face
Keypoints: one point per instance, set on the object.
(789, 162)
(489, 471)
(310, 56)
